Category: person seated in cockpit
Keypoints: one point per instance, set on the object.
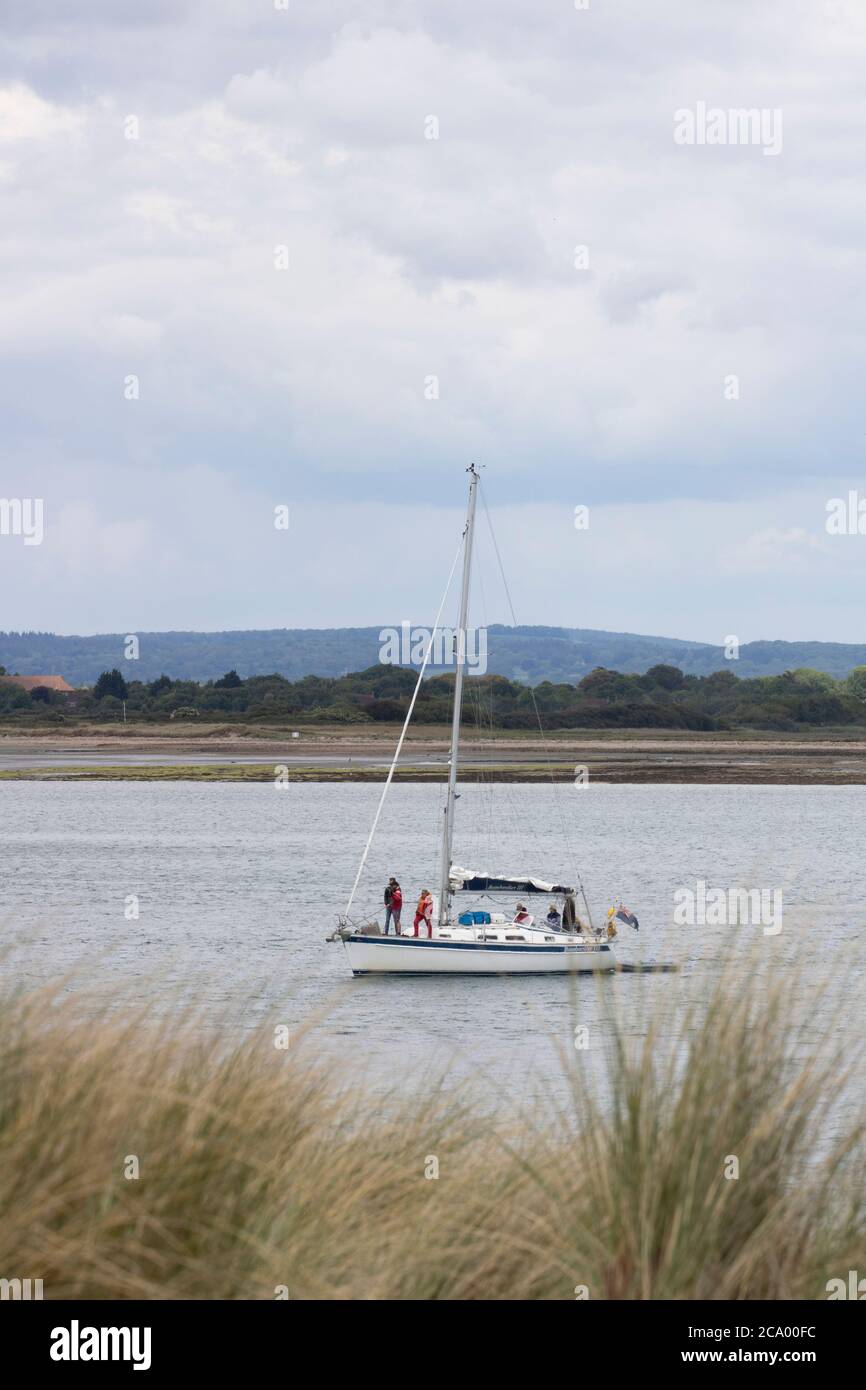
(554, 921)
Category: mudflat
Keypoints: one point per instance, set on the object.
(324, 753)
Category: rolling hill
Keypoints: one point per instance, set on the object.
(528, 654)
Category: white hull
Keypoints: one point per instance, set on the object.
(408, 955)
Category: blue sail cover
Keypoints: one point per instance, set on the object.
(474, 881)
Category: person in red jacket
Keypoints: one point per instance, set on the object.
(393, 905)
(424, 912)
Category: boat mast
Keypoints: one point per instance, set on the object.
(448, 822)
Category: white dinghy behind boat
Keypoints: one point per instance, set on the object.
(473, 942)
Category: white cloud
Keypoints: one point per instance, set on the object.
(24, 117)
(454, 257)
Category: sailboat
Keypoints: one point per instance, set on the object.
(475, 940)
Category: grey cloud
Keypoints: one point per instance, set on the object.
(412, 258)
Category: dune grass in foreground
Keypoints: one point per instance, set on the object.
(259, 1172)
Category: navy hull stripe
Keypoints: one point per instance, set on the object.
(505, 946)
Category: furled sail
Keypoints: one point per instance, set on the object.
(476, 881)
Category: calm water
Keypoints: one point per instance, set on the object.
(239, 885)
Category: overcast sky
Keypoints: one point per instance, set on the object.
(160, 160)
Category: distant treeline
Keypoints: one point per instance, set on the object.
(528, 654)
(662, 698)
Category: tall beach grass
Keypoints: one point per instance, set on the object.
(143, 1157)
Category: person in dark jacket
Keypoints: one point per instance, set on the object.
(393, 905)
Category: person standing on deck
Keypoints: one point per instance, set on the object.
(396, 905)
(424, 912)
(393, 904)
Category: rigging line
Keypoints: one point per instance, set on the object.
(516, 812)
(482, 839)
(485, 797)
(546, 755)
(403, 730)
